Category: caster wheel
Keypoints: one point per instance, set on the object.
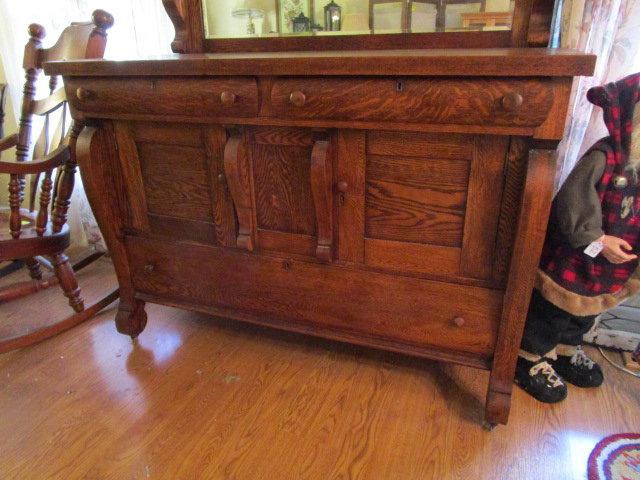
(488, 426)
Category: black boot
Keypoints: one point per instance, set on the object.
(540, 380)
(579, 369)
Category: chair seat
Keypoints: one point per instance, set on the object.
(30, 244)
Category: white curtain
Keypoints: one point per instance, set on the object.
(611, 30)
(141, 28)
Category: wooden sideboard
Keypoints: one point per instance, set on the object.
(394, 199)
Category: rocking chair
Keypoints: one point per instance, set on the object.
(34, 233)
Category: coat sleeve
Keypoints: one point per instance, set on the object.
(577, 206)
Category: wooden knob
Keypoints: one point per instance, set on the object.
(228, 98)
(458, 321)
(149, 268)
(84, 94)
(297, 98)
(511, 101)
(343, 186)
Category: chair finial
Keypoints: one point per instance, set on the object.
(37, 31)
(102, 19)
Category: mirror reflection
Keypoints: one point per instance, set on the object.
(278, 18)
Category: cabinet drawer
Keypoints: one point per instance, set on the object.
(465, 102)
(321, 299)
(202, 97)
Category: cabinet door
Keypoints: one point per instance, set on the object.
(281, 180)
(172, 175)
(421, 203)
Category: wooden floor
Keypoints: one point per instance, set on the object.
(205, 398)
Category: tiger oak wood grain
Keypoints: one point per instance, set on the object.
(413, 100)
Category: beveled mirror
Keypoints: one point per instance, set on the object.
(286, 18)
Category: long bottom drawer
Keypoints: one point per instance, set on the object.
(318, 298)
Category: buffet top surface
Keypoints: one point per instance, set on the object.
(524, 62)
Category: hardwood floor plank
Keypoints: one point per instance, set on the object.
(204, 397)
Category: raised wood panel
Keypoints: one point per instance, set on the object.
(350, 174)
(174, 228)
(294, 243)
(424, 214)
(418, 171)
(283, 136)
(412, 257)
(175, 181)
(166, 134)
(409, 144)
(412, 100)
(283, 188)
(189, 96)
(483, 206)
(408, 310)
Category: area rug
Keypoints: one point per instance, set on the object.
(616, 457)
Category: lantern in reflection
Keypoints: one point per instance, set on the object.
(332, 17)
(301, 23)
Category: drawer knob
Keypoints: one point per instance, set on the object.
(297, 98)
(343, 186)
(228, 98)
(84, 94)
(511, 101)
(149, 268)
(458, 321)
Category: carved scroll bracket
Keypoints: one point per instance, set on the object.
(322, 191)
(238, 172)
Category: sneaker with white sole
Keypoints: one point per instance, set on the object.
(578, 369)
(540, 380)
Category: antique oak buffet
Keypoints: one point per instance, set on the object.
(385, 190)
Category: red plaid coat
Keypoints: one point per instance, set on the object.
(570, 267)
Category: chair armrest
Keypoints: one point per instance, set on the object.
(56, 158)
(7, 142)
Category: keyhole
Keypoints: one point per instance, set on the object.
(399, 86)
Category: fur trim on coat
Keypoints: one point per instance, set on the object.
(580, 305)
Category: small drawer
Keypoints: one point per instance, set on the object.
(523, 103)
(201, 97)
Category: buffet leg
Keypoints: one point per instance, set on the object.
(530, 232)
(131, 318)
(100, 169)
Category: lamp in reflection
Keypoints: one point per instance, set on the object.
(247, 9)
